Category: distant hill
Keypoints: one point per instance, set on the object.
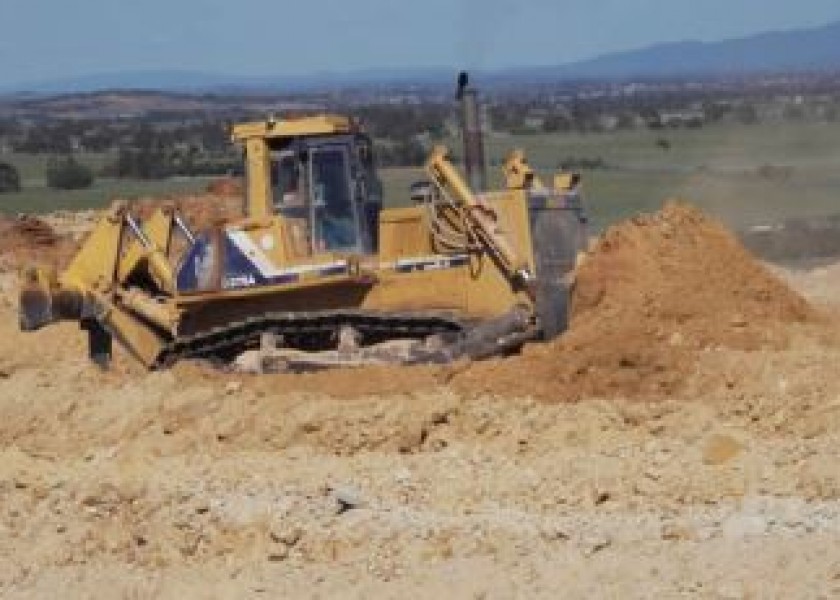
(198, 81)
(814, 49)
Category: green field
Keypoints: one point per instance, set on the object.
(718, 168)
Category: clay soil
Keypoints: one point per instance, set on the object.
(681, 440)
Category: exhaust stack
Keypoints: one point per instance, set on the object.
(474, 163)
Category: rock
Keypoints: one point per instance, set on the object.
(202, 508)
(553, 533)
(278, 553)
(249, 362)
(673, 532)
(720, 449)
(741, 526)
(233, 387)
(347, 497)
(592, 543)
(286, 534)
(403, 476)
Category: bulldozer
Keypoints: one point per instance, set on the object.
(319, 271)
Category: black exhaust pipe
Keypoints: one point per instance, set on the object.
(474, 163)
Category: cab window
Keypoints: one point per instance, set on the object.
(335, 219)
(286, 184)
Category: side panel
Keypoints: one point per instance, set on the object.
(437, 287)
(488, 290)
(403, 233)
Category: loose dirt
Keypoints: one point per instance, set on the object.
(709, 473)
(650, 297)
(226, 186)
(28, 239)
(201, 211)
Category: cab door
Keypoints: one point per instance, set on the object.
(334, 208)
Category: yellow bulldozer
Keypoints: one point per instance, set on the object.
(319, 271)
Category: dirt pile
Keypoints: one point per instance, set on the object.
(200, 211)
(226, 186)
(652, 294)
(34, 230)
(27, 239)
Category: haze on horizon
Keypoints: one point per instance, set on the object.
(50, 40)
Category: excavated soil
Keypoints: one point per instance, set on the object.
(651, 296)
(718, 480)
(27, 239)
(201, 211)
(226, 186)
(52, 239)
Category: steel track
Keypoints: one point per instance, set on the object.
(308, 331)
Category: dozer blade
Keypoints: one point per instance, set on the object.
(35, 309)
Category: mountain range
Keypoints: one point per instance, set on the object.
(812, 49)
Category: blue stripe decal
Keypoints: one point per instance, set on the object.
(246, 267)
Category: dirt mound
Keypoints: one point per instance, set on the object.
(34, 230)
(200, 211)
(226, 186)
(26, 239)
(652, 294)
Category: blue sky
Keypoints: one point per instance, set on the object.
(45, 39)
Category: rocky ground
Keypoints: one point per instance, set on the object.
(692, 451)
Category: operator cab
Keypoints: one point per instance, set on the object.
(328, 184)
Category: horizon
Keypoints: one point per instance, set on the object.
(478, 35)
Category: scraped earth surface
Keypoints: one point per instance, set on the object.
(682, 440)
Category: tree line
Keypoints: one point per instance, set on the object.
(153, 148)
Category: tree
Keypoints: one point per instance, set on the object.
(9, 178)
(142, 163)
(66, 173)
(556, 122)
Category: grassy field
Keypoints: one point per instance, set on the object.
(36, 197)
(723, 169)
(41, 199)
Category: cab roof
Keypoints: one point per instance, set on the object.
(324, 124)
